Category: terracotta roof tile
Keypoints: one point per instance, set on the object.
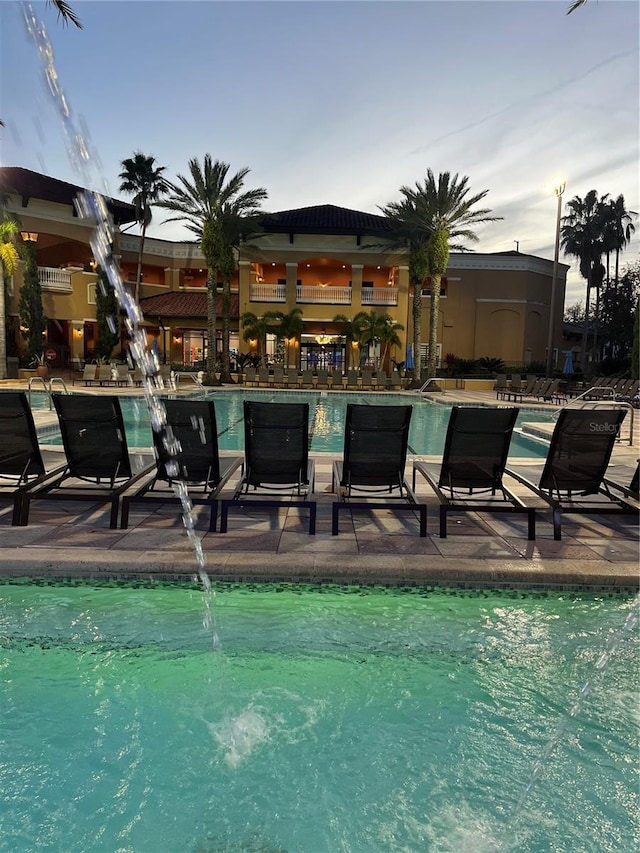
(178, 304)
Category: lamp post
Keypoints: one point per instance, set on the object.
(558, 189)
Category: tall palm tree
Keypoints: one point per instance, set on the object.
(65, 12)
(444, 211)
(409, 232)
(221, 216)
(8, 263)
(143, 179)
(582, 235)
(622, 229)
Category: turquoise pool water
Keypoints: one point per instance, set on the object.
(330, 719)
(326, 421)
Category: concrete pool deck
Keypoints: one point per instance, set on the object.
(73, 540)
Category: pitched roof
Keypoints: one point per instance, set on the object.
(325, 218)
(28, 184)
(177, 304)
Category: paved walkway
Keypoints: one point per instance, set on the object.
(74, 540)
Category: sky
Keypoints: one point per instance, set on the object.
(343, 102)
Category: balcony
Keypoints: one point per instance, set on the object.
(261, 292)
(55, 280)
(380, 296)
(314, 295)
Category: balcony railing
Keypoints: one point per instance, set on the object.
(54, 279)
(379, 295)
(323, 295)
(268, 292)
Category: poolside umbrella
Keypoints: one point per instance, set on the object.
(409, 363)
(568, 363)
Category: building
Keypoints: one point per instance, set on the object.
(323, 260)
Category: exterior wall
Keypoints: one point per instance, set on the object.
(495, 305)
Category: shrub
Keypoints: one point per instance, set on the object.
(492, 365)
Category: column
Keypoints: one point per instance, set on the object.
(356, 286)
(292, 283)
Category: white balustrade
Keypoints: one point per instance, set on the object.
(262, 292)
(379, 295)
(323, 295)
(52, 278)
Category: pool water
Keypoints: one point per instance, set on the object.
(329, 719)
(326, 421)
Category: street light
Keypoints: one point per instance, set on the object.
(558, 189)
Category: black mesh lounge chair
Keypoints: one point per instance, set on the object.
(21, 465)
(371, 473)
(278, 471)
(98, 469)
(473, 463)
(192, 425)
(573, 476)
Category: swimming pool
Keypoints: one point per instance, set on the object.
(331, 719)
(326, 421)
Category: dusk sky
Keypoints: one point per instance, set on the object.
(343, 102)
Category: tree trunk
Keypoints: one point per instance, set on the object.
(139, 270)
(211, 328)
(417, 331)
(433, 324)
(226, 315)
(3, 327)
(585, 327)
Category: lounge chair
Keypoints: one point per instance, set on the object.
(21, 464)
(278, 471)
(277, 380)
(322, 378)
(98, 469)
(573, 476)
(263, 377)
(250, 377)
(352, 380)
(336, 380)
(366, 379)
(371, 473)
(473, 463)
(88, 374)
(105, 375)
(500, 385)
(306, 380)
(191, 425)
(291, 377)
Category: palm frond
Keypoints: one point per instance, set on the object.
(65, 12)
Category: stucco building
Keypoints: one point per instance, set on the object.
(323, 260)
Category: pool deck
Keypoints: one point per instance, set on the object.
(73, 540)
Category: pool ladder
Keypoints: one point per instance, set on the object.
(47, 387)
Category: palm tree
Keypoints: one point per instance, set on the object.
(143, 179)
(290, 326)
(256, 328)
(582, 235)
(576, 4)
(65, 12)
(221, 216)
(443, 211)
(622, 228)
(8, 263)
(371, 327)
(409, 232)
(389, 338)
(349, 333)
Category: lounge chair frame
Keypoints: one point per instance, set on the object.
(573, 477)
(366, 481)
(190, 440)
(276, 437)
(94, 440)
(486, 432)
(21, 463)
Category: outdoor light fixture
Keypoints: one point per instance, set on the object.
(558, 189)
(29, 236)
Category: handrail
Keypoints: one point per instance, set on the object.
(193, 376)
(47, 387)
(424, 384)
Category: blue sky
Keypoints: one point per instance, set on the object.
(343, 102)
